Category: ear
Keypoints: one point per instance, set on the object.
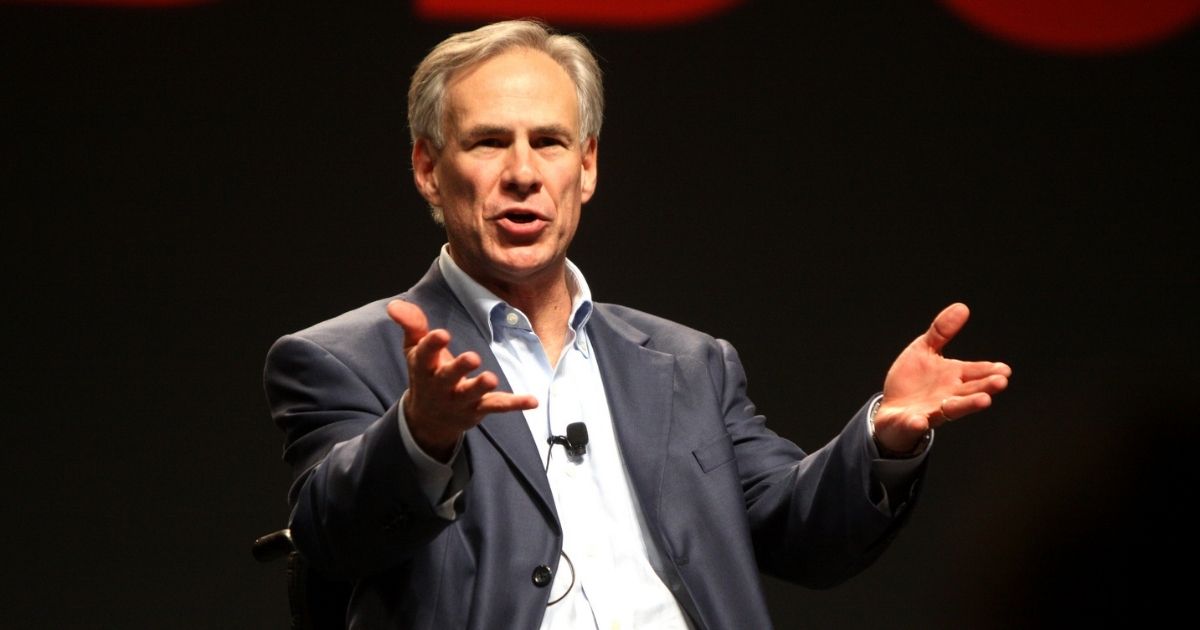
(589, 166)
(424, 161)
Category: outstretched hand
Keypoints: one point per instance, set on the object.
(442, 400)
(924, 389)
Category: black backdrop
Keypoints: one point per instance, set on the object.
(812, 181)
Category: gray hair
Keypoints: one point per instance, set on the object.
(427, 94)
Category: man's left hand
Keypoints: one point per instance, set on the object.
(924, 389)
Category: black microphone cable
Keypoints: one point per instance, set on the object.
(575, 443)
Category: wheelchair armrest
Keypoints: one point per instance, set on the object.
(273, 546)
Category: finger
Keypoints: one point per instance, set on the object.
(430, 351)
(946, 325)
(956, 407)
(411, 318)
(500, 402)
(972, 370)
(992, 384)
(454, 370)
(477, 387)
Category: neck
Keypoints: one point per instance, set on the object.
(548, 309)
(544, 298)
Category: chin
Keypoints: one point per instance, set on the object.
(524, 264)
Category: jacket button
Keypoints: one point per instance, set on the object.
(542, 575)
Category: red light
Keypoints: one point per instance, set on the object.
(602, 12)
(1079, 25)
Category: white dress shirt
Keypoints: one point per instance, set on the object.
(607, 578)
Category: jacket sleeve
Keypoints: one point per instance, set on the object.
(816, 518)
(357, 506)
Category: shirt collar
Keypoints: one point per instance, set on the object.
(483, 305)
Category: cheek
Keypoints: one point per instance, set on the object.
(568, 185)
(455, 189)
(463, 186)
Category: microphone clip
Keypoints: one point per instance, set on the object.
(574, 442)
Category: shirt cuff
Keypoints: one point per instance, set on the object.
(896, 475)
(440, 483)
(917, 455)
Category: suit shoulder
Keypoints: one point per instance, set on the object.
(664, 334)
(353, 323)
(353, 335)
(365, 326)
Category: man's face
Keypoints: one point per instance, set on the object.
(513, 175)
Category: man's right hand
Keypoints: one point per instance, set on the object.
(442, 400)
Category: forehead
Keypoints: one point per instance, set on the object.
(519, 85)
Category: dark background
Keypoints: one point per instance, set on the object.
(812, 181)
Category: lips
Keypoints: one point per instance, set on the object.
(518, 216)
(521, 223)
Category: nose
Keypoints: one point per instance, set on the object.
(521, 176)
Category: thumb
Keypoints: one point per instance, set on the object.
(946, 325)
(411, 318)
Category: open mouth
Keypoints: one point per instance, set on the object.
(517, 216)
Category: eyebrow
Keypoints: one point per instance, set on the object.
(486, 130)
(554, 130)
(497, 130)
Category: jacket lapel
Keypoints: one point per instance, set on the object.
(508, 432)
(639, 383)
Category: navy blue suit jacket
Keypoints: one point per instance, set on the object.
(724, 496)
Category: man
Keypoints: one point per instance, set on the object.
(436, 486)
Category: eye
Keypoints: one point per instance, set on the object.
(489, 143)
(548, 142)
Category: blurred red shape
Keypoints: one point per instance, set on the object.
(1082, 26)
(598, 12)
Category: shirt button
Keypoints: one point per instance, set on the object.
(512, 318)
(542, 575)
